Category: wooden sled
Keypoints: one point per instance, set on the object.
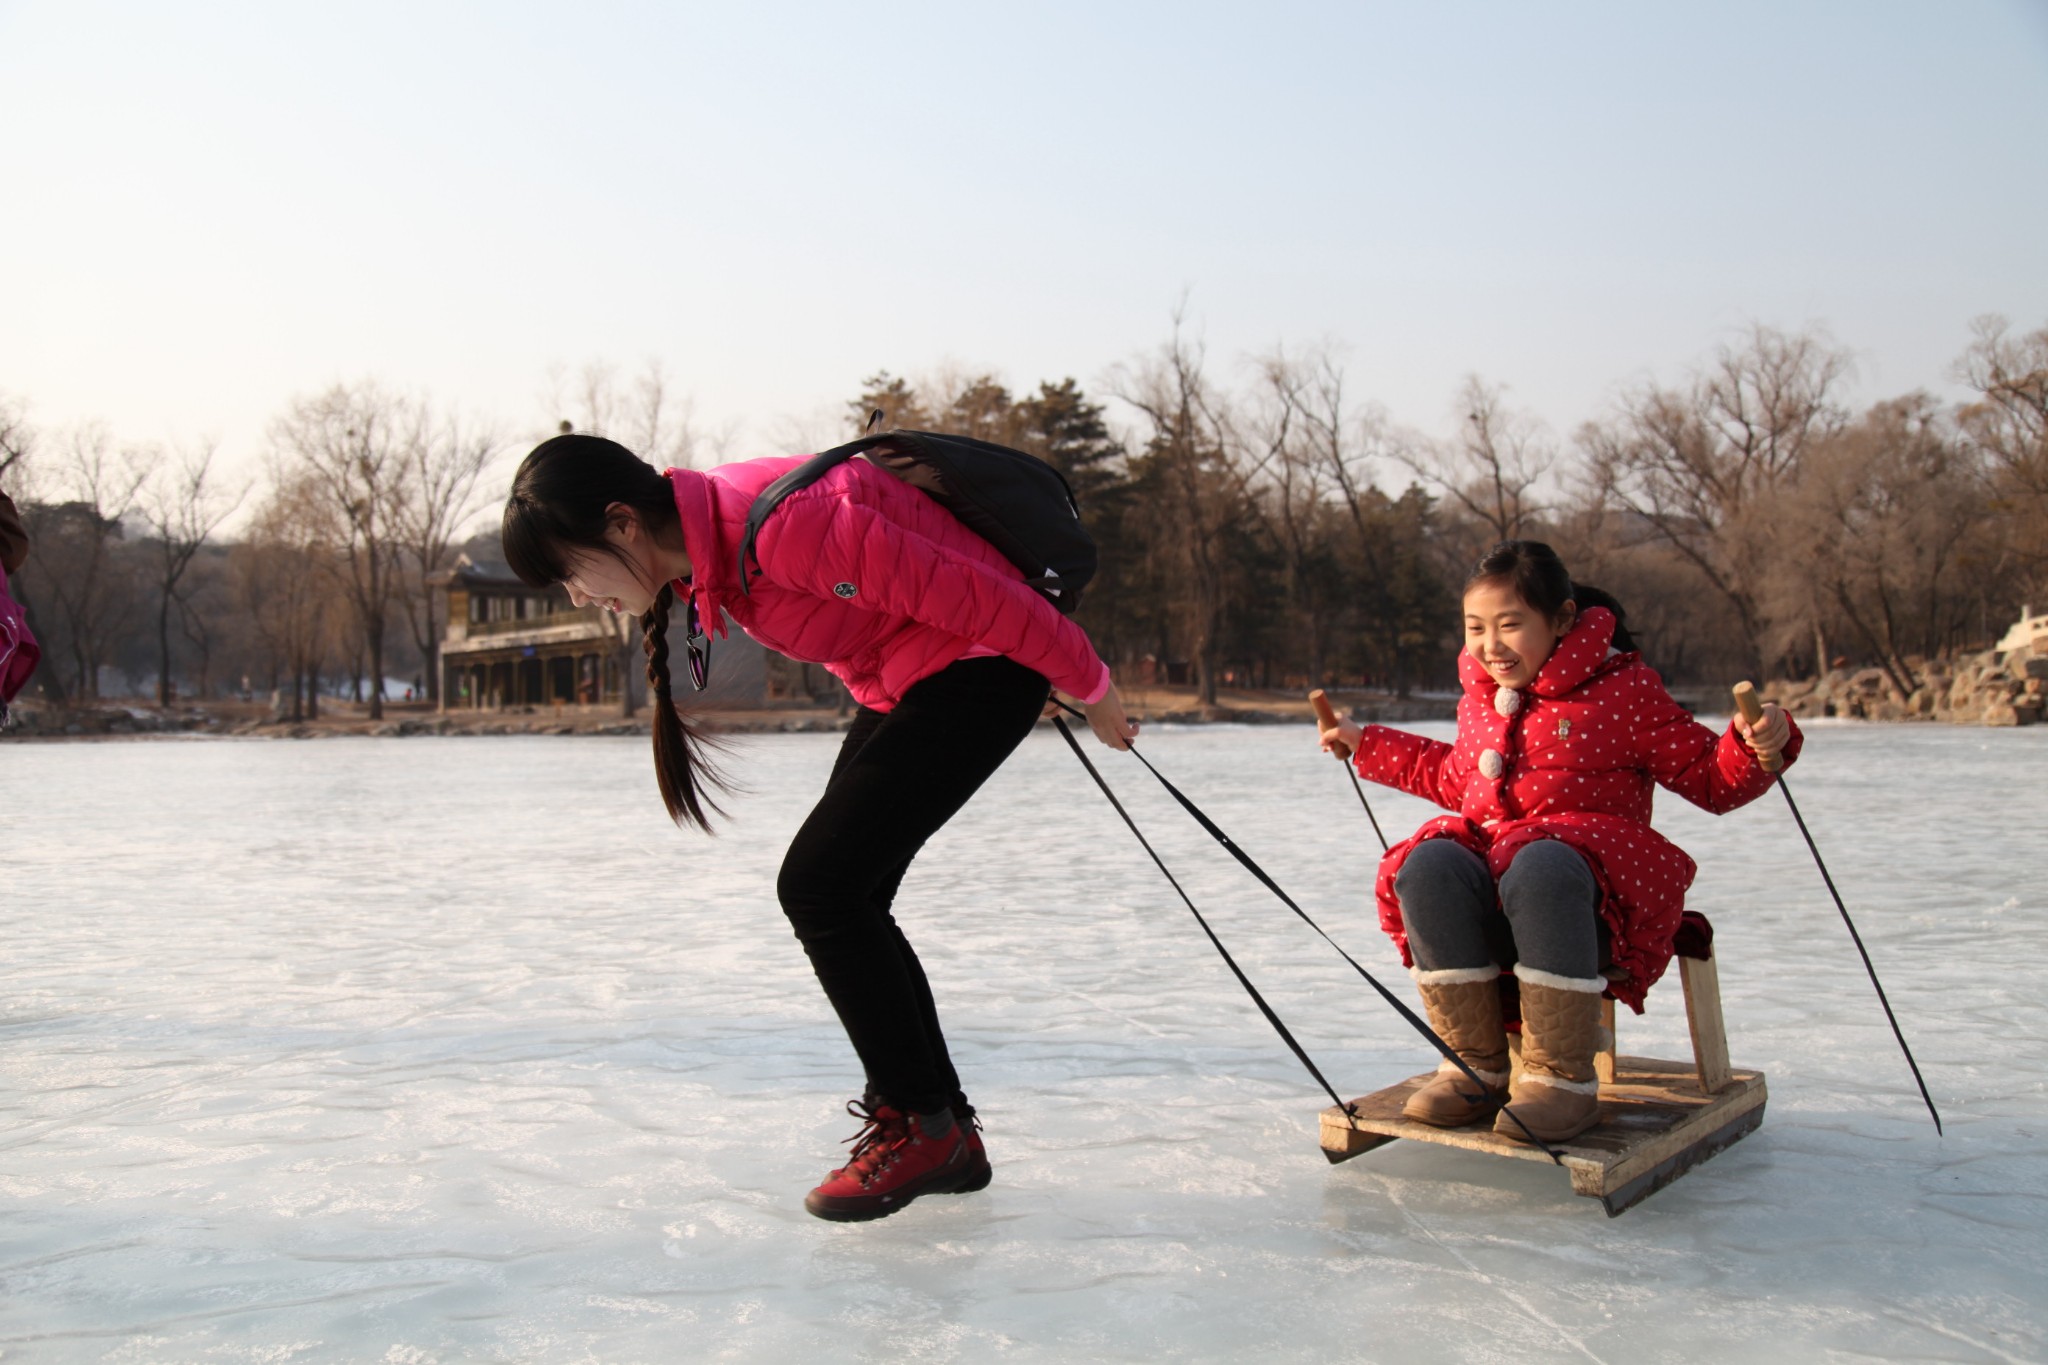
(1658, 1119)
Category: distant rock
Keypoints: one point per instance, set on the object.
(1987, 688)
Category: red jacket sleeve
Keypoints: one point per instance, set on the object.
(814, 544)
(1428, 768)
(1715, 772)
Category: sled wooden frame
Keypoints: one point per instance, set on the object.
(1658, 1119)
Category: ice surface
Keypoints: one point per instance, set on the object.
(450, 1049)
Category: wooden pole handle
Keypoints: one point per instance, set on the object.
(1326, 717)
(1753, 712)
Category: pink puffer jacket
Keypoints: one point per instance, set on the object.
(864, 574)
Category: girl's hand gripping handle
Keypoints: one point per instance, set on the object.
(1764, 726)
(1339, 737)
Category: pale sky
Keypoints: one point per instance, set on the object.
(206, 209)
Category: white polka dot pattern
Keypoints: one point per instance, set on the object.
(1576, 757)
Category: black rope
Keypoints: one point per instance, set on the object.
(1352, 773)
(1857, 939)
(1243, 980)
(1245, 860)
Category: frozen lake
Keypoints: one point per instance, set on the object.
(452, 1050)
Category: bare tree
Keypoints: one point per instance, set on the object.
(357, 446)
(2009, 425)
(17, 437)
(203, 610)
(285, 576)
(440, 497)
(1383, 544)
(1678, 627)
(1696, 468)
(642, 412)
(183, 505)
(77, 566)
(1886, 506)
(1198, 507)
(1342, 444)
(1292, 494)
(1491, 468)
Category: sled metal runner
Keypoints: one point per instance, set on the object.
(1658, 1119)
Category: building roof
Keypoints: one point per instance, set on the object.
(469, 573)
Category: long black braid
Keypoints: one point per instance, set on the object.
(680, 749)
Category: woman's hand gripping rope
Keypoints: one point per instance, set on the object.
(1105, 717)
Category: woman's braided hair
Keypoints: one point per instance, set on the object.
(558, 503)
(679, 747)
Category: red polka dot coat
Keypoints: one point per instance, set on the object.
(1572, 757)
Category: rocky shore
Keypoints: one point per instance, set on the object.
(1989, 688)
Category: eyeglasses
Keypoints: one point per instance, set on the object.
(698, 645)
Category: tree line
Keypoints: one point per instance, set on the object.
(1270, 530)
(365, 495)
(1259, 524)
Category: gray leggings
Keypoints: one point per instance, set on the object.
(1545, 913)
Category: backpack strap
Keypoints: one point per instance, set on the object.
(795, 481)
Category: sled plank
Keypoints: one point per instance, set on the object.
(1628, 1193)
(1655, 1124)
(1702, 980)
(1341, 1141)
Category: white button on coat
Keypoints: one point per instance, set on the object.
(1492, 765)
(1506, 700)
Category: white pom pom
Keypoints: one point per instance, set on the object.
(1507, 701)
(1492, 765)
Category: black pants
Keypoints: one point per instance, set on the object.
(899, 777)
(1544, 914)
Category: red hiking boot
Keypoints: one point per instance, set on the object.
(979, 1172)
(893, 1163)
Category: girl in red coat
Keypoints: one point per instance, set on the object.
(1549, 866)
(951, 658)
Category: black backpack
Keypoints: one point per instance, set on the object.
(1016, 502)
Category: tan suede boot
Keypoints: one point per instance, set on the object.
(1557, 1094)
(1464, 1007)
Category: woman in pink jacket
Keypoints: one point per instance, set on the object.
(951, 658)
(1548, 866)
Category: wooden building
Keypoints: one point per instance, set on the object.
(511, 647)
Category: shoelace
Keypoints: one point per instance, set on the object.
(875, 1145)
